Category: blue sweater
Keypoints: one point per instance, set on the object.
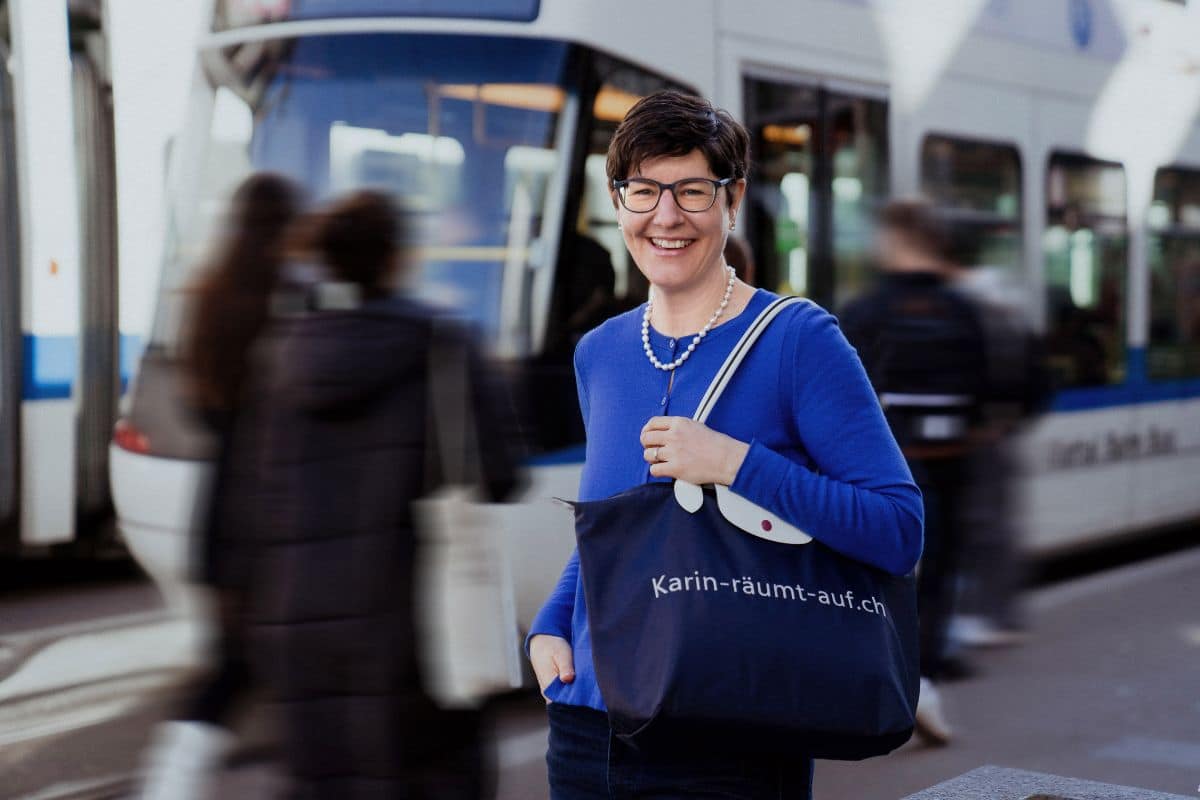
(821, 455)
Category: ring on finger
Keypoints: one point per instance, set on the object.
(654, 455)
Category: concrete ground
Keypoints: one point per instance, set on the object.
(1106, 689)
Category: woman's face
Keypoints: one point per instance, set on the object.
(673, 248)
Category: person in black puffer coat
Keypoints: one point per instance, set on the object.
(339, 456)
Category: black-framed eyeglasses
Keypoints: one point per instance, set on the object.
(641, 195)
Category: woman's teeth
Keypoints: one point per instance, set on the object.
(671, 244)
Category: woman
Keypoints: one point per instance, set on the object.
(229, 313)
(341, 450)
(800, 433)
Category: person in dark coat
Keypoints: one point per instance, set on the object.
(340, 436)
(229, 310)
(922, 344)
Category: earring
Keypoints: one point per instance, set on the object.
(732, 224)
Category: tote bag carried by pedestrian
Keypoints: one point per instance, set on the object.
(467, 616)
(716, 624)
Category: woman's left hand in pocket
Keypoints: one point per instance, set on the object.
(678, 447)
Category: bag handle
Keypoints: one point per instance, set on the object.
(725, 374)
(689, 495)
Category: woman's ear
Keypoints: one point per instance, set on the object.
(737, 192)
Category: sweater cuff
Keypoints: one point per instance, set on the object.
(762, 473)
(544, 623)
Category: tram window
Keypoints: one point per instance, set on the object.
(193, 232)
(1173, 350)
(976, 188)
(239, 13)
(461, 129)
(1085, 246)
(819, 174)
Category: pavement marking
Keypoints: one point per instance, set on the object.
(52, 632)
(1114, 580)
(170, 644)
(70, 721)
(109, 786)
(65, 710)
(524, 748)
(1144, 750)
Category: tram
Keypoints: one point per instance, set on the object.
(61, 365)
(1060, 134)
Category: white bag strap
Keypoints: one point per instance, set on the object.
(725, 374)
(751, 518)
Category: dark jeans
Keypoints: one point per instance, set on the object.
(587, 762)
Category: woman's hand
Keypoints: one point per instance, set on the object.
(678, 447)
(551, 657)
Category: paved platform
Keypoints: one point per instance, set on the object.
(1107, 690)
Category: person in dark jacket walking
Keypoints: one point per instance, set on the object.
(923, 347)
(340, 436)
(230, 309)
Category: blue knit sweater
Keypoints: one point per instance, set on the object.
(821, 455)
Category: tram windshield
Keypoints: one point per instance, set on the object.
(461, 130)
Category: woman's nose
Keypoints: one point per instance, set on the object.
(668, 212)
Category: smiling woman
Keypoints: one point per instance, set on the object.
(800, 434)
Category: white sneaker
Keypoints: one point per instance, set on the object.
(932, 726)
(182, 760)
(973, 631)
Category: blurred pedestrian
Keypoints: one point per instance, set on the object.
(800, 434)
(922, 344)
(230, 308)
(1018, 390)
(341, 436)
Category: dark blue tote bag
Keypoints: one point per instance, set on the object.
(709, 635)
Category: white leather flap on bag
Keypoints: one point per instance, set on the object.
(756, 520)
(753, 519)
(689, 495)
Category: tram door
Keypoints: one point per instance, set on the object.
(819, 173)
(10, 308)
(98, 382)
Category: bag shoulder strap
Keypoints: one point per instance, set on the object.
(725, 374)
(450, 421)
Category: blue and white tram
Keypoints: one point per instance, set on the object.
(60, 348)
(1026, 122)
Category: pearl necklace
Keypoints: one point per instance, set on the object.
(677, 363)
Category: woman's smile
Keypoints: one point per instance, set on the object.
(667, 246)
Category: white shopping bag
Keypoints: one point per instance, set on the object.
(467, 617)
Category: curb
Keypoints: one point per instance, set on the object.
(106, 788)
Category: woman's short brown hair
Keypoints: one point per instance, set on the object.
(674, 124)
